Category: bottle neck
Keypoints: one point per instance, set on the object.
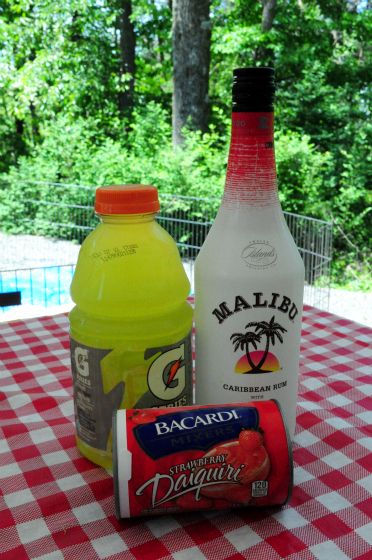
(251, 173)
(120, 219)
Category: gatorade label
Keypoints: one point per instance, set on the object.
(200, 457)
(108, 379)
(169, 377)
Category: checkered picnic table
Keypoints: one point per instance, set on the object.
(55, 504)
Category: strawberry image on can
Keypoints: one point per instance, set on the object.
(200, 457)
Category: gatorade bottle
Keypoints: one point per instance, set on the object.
(131, 326)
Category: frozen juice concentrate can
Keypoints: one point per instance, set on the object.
(205, 457)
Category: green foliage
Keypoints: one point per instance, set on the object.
(302, 170)
(356, 278)
(70, 154)
(60, 120)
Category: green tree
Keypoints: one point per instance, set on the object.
(64, 76)
(191, 58)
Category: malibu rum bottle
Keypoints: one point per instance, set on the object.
(249, 275)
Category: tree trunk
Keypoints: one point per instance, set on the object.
(268, 13)
(127, 45)
(191, 36)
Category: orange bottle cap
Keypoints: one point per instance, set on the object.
(127, 199)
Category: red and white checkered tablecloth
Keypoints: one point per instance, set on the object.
(54, 504)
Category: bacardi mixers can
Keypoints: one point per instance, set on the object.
(207, 457)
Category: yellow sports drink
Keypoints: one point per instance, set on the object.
(131, 326)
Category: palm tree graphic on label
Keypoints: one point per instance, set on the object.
(258, 361)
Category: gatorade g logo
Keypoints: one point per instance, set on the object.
(166, 377)
(81, 361)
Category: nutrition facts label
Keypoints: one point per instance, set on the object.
(260, 488)
(93, 407)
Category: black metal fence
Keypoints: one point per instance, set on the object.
(46, 227)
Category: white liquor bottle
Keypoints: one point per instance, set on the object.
(249, 275)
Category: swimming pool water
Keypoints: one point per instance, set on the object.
(50, 286)
(44, 286)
